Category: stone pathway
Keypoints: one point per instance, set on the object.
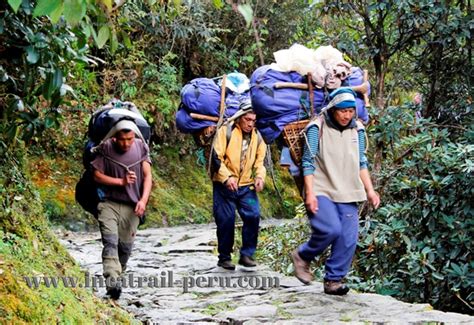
(203, 293)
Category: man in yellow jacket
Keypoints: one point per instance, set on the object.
(238, 174)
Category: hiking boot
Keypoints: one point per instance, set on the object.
(301, 266)
(335, 288)
(247, 261)
(227, 264)
(114, 292)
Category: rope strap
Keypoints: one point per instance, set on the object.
(127, 167)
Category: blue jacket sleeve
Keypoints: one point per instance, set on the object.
(363, 162)
(307, 161)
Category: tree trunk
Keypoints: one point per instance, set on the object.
(436, 59)
(379, 66)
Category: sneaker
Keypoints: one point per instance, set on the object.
(247, 261)
(114, 292)
(302, 271)
(227, 264)
(335, 288)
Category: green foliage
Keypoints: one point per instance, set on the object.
(419, 242)
(213, 38)
(38, 58)
(247, 12)
(186, 29)
(166, 99)
(15, 4)
(277, 243)
(86, 89)
(446, 64)
(181, 192)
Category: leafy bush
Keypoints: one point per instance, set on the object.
(419, 243)
(277, 243)
(33, 70)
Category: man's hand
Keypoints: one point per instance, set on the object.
(259, 183)
(373, 198)
(140, 208)
(231, 184)
(311, 203)
(130, 178)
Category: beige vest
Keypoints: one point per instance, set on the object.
(337, 164)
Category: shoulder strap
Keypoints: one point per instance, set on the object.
(228, 134)
(360, 126)
(127, 167)
(318, 121)
(259, 138)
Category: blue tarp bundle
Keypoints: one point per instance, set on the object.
(187, 124)
(276, 108)
(203, 95)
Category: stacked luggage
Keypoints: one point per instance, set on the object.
(284, 95)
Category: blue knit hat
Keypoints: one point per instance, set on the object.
(342, 98)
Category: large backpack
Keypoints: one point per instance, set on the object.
(277, 107)
(88, 193)
(203, 96)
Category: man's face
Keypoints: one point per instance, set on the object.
(124, 140)
(247, 122)
(344, 116)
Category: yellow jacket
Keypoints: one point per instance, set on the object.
(228, 160)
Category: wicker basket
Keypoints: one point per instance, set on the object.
(203, 138)
(294, 139)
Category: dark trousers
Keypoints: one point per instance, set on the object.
(245, 201)
(335, 225)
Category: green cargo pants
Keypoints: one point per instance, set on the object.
(118, 226)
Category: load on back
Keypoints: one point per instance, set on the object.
(284, 95)
(210, 103)
(300, 81)
(102, 127)
(202, 100)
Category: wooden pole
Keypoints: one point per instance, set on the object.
(204, 117)
(311, 94)
(361, 89)
(366, 93)
(222, 103)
